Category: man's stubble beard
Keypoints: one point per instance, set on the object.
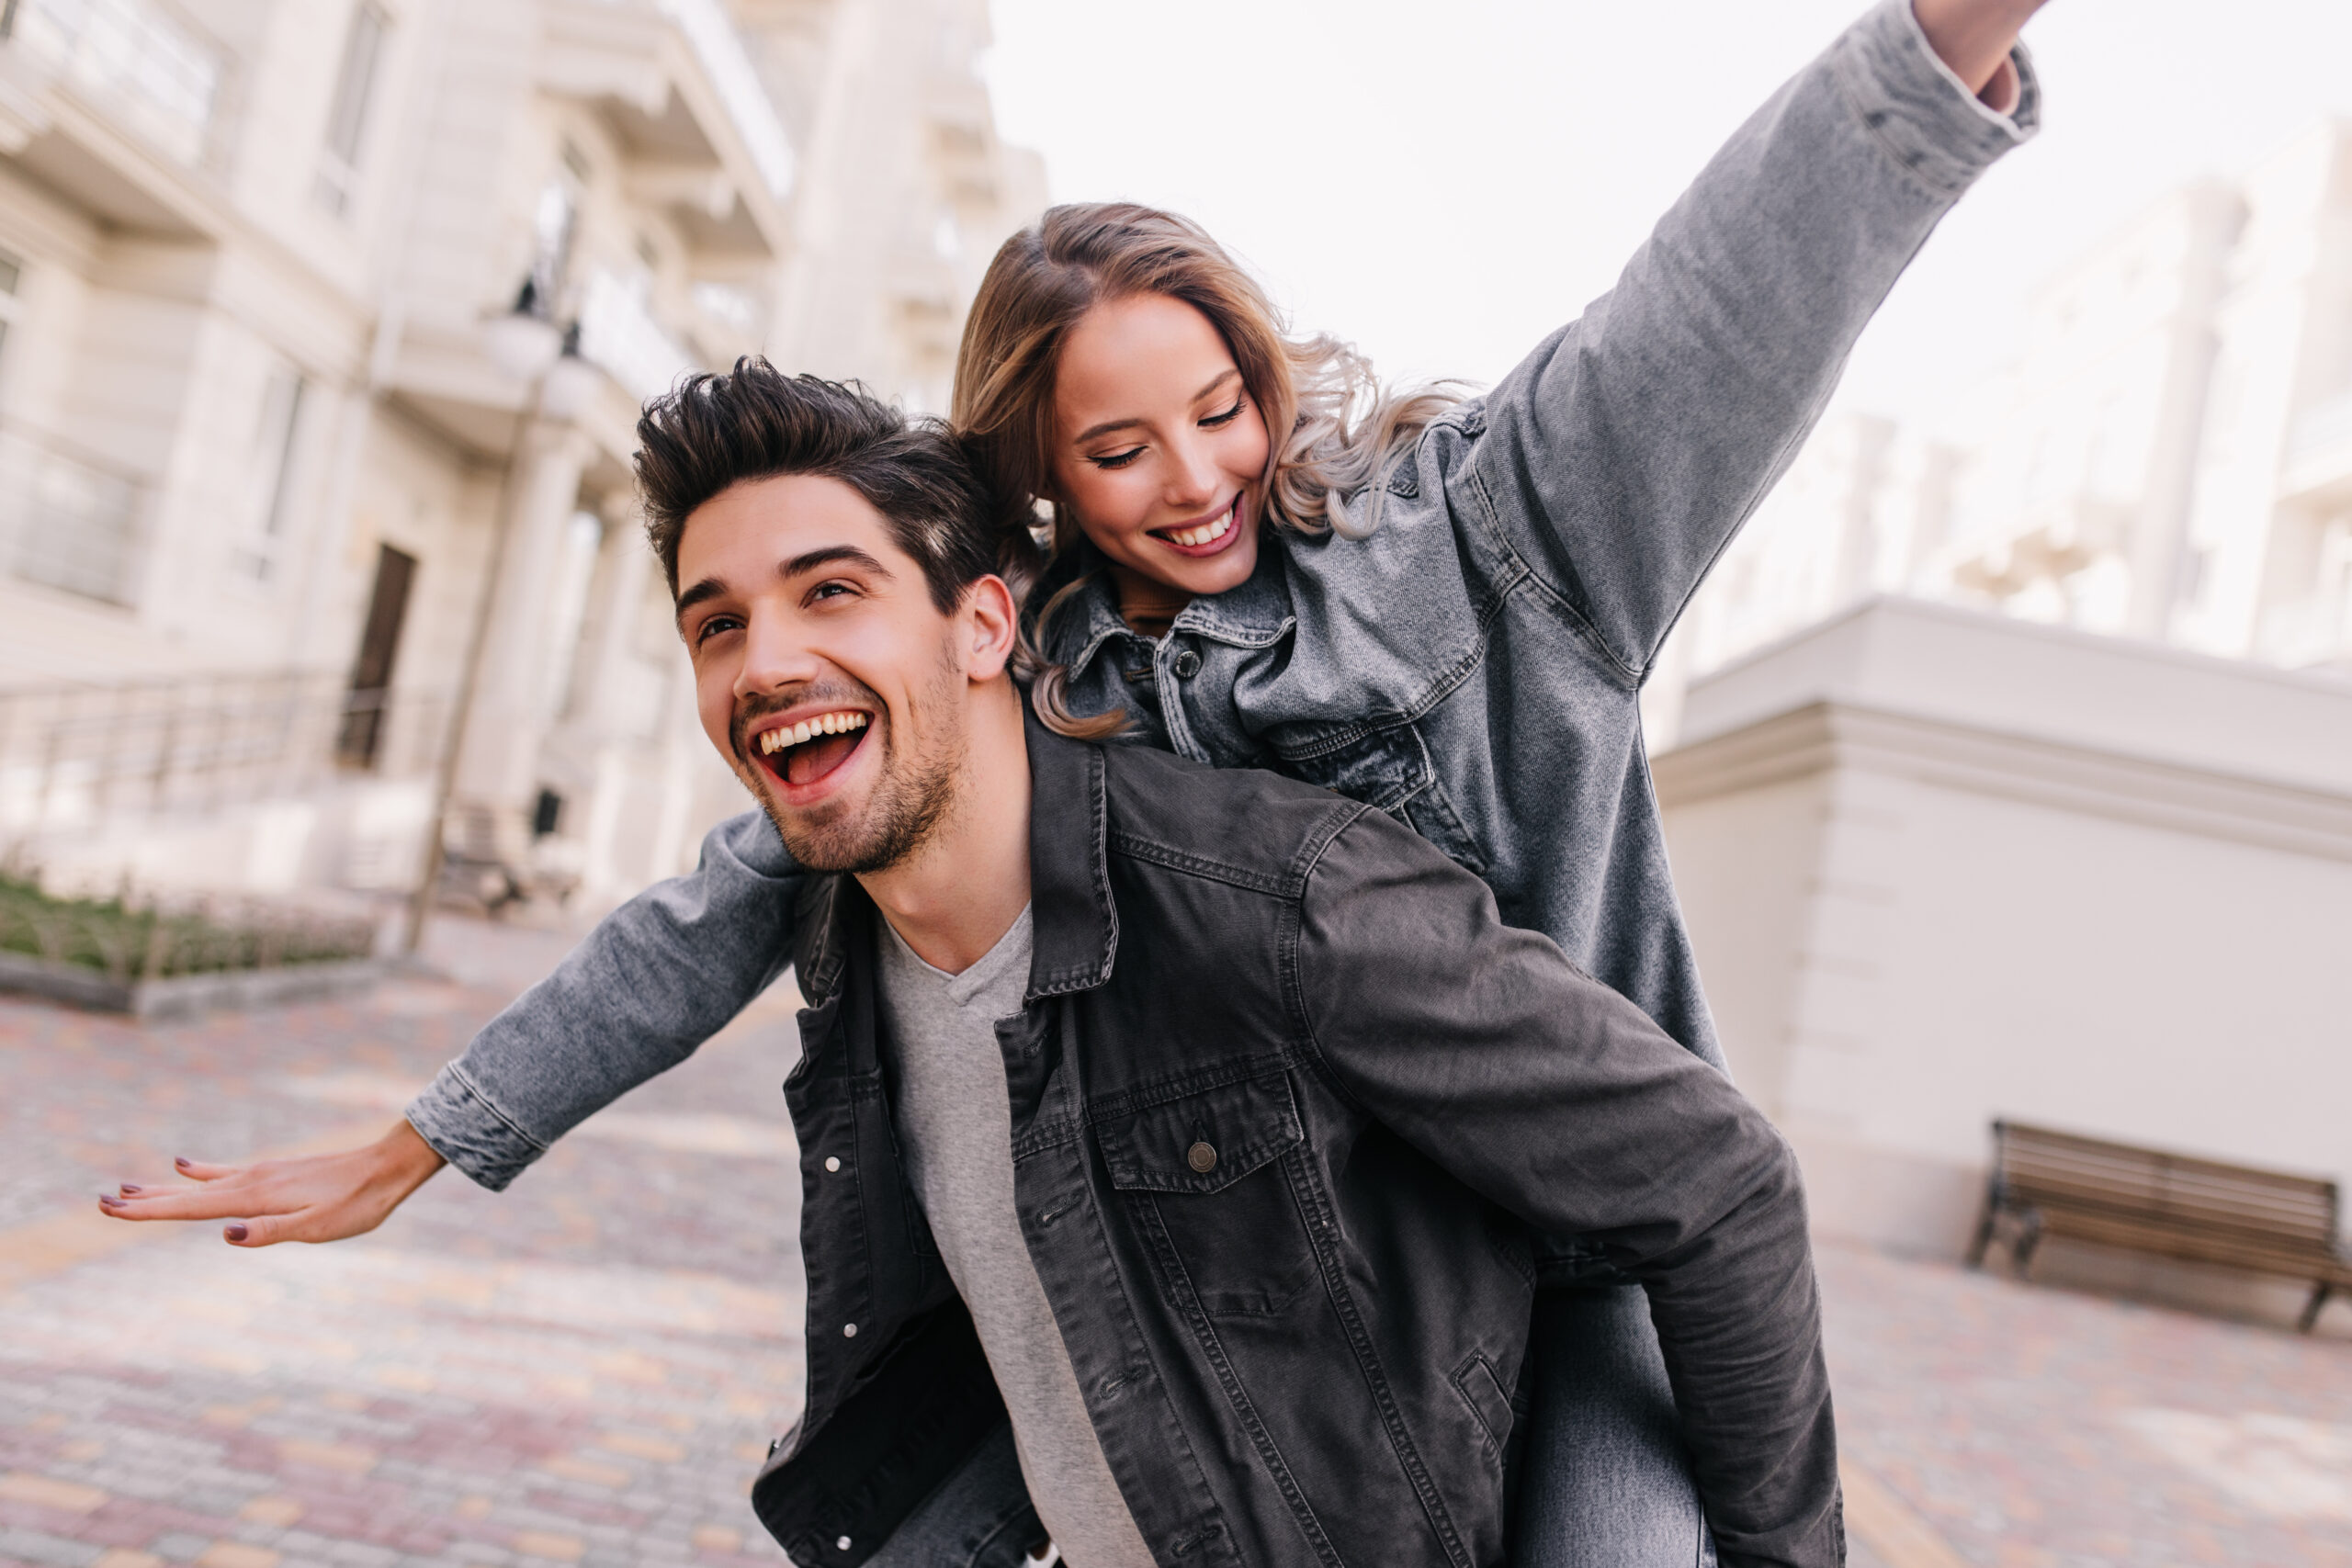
(911, 795)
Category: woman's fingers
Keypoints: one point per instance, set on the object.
(230, 1196)
(317, 1198)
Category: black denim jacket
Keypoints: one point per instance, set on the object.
(1290, 1107)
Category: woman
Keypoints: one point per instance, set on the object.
(1443, 607)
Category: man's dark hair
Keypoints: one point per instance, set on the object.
(755, 423)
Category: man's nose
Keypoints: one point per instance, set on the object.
(773, 657)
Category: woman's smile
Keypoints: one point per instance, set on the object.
(1208, 536)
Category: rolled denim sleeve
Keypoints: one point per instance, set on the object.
(1622, 455)
(1554, 1097)
(656, 978)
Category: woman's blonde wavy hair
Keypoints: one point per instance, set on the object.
(1333, 430)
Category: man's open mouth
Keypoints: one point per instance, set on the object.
(803, 752)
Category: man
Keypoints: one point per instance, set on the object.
(1189, 1130)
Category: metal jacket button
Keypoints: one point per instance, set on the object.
(1201, 1157)
(1188, 664)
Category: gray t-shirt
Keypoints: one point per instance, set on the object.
(955, 1117)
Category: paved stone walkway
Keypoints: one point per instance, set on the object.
(587, 1369)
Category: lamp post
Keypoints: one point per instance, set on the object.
(525, 347)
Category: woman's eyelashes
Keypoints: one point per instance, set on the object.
(1212, 421)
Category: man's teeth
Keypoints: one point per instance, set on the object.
(1207, 533)
(775, 741)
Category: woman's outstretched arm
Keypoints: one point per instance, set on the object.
(1619, 458)
(656, 978)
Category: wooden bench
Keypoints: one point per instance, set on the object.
(2049, 1183)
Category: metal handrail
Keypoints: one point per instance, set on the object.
(72, 756)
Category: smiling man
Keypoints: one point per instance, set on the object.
(1223, 1110)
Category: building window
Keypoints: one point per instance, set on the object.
(554, 223)
(12, 271)
(269, 477)
(363, 51)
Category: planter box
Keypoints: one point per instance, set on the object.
(184, 996)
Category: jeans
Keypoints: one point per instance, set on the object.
(979, 1518)
(1606, 1484)
(1605, 1479)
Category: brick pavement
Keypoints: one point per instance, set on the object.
(586, 1368)
(2027, 1426)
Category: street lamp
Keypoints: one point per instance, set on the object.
(525, 347)
(523, 344)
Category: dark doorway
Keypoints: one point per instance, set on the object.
(364, 710)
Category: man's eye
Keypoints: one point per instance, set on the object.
(1219, 421)
(1116, 460)
(830, 591)
(713, 626)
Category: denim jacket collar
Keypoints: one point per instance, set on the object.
(1076, 925)
(1254, 614)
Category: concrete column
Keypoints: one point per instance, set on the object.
(498, 766)
(603, 705)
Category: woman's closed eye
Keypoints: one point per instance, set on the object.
(1114, 459)
(1219, 421)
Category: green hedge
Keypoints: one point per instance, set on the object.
(129, 942)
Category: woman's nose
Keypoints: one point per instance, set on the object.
(1192, 475)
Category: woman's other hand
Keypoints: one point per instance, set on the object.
(1974, 37)
(315, 1197)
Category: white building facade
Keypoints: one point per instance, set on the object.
(2009, 777)
(2170, 460)
(272, 446)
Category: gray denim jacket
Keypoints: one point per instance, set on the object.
(1473, 666)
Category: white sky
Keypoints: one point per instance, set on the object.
(1443, 183)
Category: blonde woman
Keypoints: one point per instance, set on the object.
(1443, 605)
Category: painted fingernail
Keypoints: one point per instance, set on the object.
(181, 1160)
(128, 1188)
(235, 1233)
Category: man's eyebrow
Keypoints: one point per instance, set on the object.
(1108, 425)
(708, 588)
(835, 554)
(807, 561)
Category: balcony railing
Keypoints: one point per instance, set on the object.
(144, 65)
(720, 49)
(620, 335)
(68, 520)
(77, 756)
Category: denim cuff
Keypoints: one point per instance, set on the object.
(1919, 111)
(471, 1133)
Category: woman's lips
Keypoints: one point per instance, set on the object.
(1218, 533)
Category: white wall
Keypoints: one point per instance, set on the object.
(1943, 867)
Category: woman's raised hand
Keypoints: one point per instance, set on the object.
(314, 1198)
(1974, 37)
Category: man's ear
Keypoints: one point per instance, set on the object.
(989, 624)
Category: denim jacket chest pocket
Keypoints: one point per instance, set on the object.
(1207, 1184)
(1389, 770)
